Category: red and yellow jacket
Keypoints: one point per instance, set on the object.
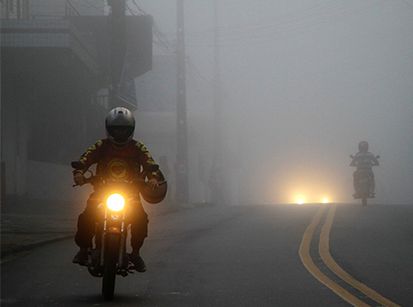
(120, 162)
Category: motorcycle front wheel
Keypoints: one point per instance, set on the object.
(111, 255)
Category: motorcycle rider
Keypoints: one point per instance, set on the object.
(363, 161)
(118, 157)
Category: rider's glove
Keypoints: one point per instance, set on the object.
(79, 178)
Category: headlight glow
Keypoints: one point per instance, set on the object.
(325, 200)
(115, 202)
(300, 200)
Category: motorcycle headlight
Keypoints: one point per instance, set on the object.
(115, 202)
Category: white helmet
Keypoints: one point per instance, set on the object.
(120, 125)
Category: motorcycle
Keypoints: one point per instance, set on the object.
(364, 184)
(108, 257)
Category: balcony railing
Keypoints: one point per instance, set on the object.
(32, 9)
(57, 33)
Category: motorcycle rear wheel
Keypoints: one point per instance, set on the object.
(110, 265)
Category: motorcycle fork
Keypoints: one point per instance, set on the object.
(102, 244)
(122, 249)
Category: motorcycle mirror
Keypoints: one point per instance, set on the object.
(77, 165)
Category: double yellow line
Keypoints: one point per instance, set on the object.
(324, 251)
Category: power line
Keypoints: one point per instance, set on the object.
(133, 13)
(267, 33)
(236, 29)
(198, 73)
(160, 37)
(312, 16)
(139, 8)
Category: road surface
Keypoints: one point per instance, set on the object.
(256, 255)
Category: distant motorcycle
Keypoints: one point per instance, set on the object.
(364, 184)
(108, 257)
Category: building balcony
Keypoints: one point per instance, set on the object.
(59, 33)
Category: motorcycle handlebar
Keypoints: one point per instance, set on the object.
(77, 165)
(93, 179)
(87, 180)
(352, 157)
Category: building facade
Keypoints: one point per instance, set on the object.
(55, 80)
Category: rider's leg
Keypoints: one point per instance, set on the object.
(86, 229)
(139, 231)
(355, 183)
(372, 185)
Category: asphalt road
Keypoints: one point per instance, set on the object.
(234, 256)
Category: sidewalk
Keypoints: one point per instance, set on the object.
(22, 232)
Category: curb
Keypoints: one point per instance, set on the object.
(9, 255)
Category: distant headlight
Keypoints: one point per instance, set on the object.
(115, 202)
(325, 200)
(300, 200)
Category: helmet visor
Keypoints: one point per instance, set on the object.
(120, 133)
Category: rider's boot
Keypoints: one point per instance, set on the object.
(136, 259)
(81, 257)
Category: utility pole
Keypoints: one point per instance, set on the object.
(117, 27)
(217, 86)
(216, 178)
(181, 116)
(2, 163)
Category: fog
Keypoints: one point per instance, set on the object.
(298, 85)
(302, 82)
(274, 97)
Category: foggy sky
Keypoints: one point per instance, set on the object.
(302, 83)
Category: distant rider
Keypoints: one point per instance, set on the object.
(118, 157)
(363, 161)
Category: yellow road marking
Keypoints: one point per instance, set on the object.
(324, 250)
(306, 259)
